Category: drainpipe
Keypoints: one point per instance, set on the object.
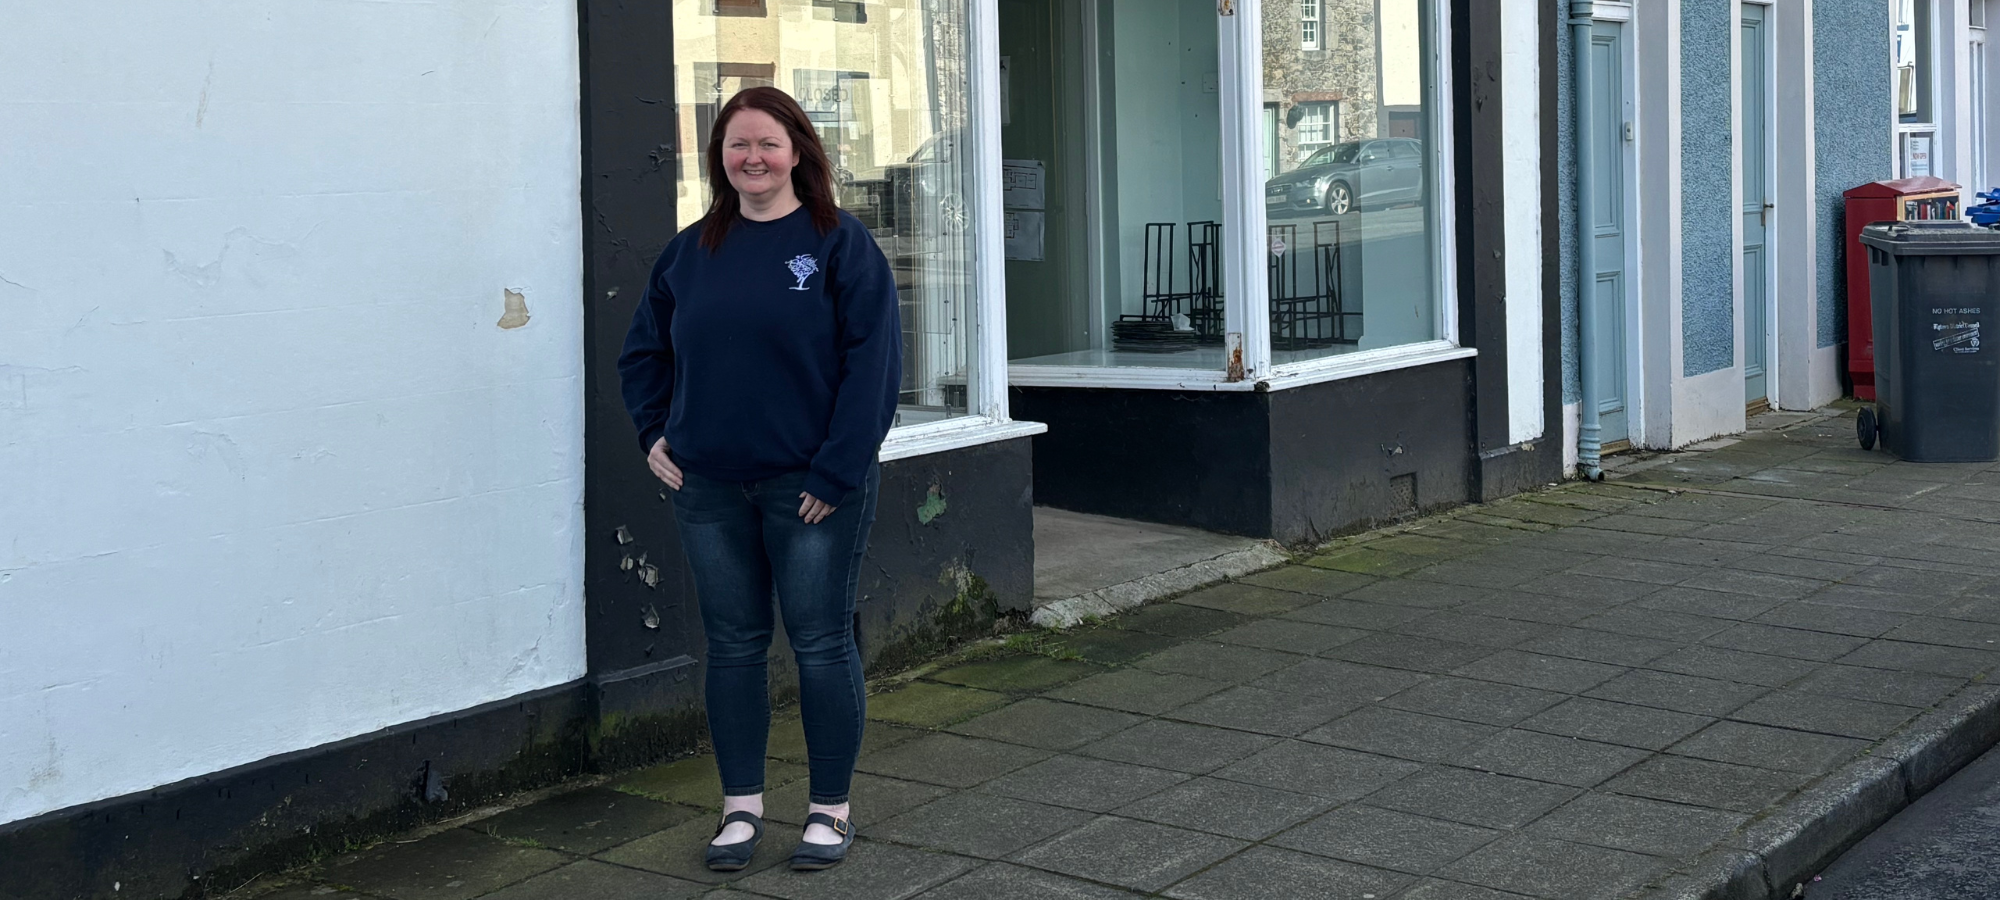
(1589, 449)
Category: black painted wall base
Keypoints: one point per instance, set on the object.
(952, 549)
(211, 834)
(1297, 465)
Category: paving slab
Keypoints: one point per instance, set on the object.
(1263, 872)
(1178, 746)
(1082, 782)
(1330, 772)
(1551, 758)
(457, 864)
(1485, 799)
(1129, 853)
(1681, 693)
(585, 821)
(1253, 709)
(1228, 808)
(1036, 722)
(979, 825)
(1004, 881)
(1401, 734)
(1387, 839)
(600, 881)
(872, 869)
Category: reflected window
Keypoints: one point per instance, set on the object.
(885, 85)
(1318, 123)
(1351, 204)
(1911, 47)
(1309, 25)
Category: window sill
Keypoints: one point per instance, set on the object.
(1283, 377)
(1353, 365)
(953, 434)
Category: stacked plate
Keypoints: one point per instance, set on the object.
(1145, 335)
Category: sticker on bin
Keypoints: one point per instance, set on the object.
(1957, 337)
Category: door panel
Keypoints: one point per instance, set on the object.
(1755, 172)
(1609, 220)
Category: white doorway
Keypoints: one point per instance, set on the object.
(1755, 104)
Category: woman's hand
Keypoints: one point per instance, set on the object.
(813, 509)
(663, 468)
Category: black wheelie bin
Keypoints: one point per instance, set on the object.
(1937, 380)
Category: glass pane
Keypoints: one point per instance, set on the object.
(1351, 209)
(1114, 238)
(1911, 49)
(885, 84)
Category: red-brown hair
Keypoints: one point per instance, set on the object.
(812, 178)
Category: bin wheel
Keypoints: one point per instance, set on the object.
(1865, 428)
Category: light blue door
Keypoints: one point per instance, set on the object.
(1755, 169)
(1609, 220)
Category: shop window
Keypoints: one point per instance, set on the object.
(1112, 145)
(1309, 25)
(1353, 212)
(888, 93)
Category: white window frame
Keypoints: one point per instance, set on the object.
(987, 418)
(1331, 109)
(1317, 21)
(1240, 33)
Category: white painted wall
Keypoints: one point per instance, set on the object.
(1521, 146)
(270, 473)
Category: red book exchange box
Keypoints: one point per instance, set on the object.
(1901, 200)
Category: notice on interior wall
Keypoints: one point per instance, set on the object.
(1024, 235)
(1917, 156)
(1021, 183)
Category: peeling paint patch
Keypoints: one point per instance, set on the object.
(516, 312)
(933, 506)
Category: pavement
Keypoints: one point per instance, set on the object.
(1703, 678)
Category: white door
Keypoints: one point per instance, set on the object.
(1754, 83)
(1611, 229)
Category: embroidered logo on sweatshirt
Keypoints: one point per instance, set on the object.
(803, 266)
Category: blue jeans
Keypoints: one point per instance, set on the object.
(744, 542)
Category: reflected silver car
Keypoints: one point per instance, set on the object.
(1341, 178)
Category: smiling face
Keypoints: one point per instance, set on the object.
(758, 156)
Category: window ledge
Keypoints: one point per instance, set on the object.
(1334, 368)
(1284, 377)
(953, 434)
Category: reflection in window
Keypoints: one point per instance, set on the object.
(1911, 46)
(1350, 203)
(1318, 123)
(885, 85)
(1309, 24)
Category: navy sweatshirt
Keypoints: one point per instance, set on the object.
(780, 352)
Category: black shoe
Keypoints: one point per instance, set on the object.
(734, 857)
(823, 856)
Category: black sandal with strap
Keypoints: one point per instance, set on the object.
(810, 857)
(735, 857)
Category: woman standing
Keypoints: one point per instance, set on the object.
(762, 370)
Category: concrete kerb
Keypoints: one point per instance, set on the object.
(1776, 855)
(1074, 611)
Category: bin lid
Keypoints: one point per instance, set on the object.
(1932, 239)
(1922, 184)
